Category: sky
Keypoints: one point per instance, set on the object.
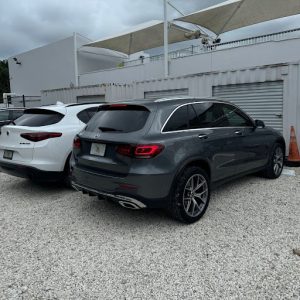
(28, 24)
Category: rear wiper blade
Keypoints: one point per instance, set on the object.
(109, 129)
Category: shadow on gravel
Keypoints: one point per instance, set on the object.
(109, 211)
(237, 183)
(112, 211)
(26, 184)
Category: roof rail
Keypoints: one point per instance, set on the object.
(173, 98)
(85, 103)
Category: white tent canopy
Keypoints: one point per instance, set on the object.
(234, 14)
(101, 52)
(145, 36)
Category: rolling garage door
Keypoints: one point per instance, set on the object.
(262, 101)
(166, 93)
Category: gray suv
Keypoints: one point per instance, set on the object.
(169, 153)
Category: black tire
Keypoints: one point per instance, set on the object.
(269, 171)
(177, 207)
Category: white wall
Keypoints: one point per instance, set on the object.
(89, 59)
(53, 66)
(92, 62)
(48, 67)
(152, 70)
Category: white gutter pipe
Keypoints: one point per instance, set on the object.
(166, 38)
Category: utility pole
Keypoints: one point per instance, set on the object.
(166, 38)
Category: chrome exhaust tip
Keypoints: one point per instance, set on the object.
(75, 187)
(129, 205)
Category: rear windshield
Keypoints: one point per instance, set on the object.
(39, 117)
(17, 113)
(119, 118)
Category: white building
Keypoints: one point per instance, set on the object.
(57, 65)
(261, 74)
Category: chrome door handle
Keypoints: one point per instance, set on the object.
(239, 132)
(203, 136)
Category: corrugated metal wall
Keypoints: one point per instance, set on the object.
(91, 99)
(69, 95)
(262, 101)
(202, 85)
(166, 93)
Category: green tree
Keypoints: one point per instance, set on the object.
(4, 79)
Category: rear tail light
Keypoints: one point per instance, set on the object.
(140, 151)
(76, 143)
(147, 151)
(40, 136)
(125, 150)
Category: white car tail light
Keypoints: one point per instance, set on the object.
(40, 136)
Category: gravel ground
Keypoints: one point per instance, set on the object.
(60, 244)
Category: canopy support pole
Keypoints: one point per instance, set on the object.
(166, 38)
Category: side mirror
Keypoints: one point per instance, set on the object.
(259, 124)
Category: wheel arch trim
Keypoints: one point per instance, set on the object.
(193, 161)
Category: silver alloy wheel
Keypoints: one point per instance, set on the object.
(195, 195)
(278, 161)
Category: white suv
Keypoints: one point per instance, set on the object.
(38, 145)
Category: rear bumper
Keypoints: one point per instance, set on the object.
(144, 189)
(127, 202)
(29, 172)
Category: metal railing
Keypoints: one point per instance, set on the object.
(193, 50)
(24, 101)
(258, 39)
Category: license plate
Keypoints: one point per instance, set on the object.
(98, 149)
(8, 154)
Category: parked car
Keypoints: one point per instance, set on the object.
(170, 153)
(39, 144)
(8, 115)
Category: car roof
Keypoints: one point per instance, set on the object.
(167, 101)
(62, 107)
(84, 104)
(58, 108)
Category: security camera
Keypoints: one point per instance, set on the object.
(16, 60)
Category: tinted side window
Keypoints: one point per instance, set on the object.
(235, 117)
(39, 117)
(85, 115)
(208, 115)
(178, 121)
(193, 118)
